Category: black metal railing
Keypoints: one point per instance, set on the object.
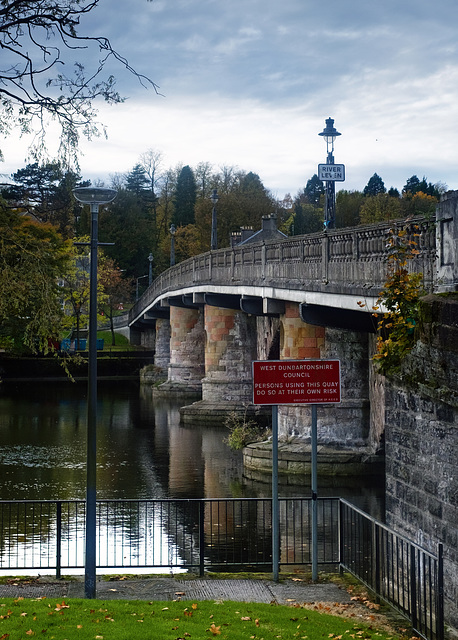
(228, 534)
(400, 572)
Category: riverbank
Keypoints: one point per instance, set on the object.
(111, 365)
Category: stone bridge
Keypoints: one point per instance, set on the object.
(209, 317)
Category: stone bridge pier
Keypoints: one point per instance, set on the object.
(230, 348)
(186, 366)
(345, 425)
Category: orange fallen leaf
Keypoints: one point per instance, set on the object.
(215, 630)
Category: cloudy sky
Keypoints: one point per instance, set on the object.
(249, 83)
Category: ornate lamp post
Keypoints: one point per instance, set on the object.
(150, 270)
(214, 236)
(330, 174)
(172, 230)
(94, 197)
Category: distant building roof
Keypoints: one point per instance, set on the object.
(268, 232)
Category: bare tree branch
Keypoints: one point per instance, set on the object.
(35, 81)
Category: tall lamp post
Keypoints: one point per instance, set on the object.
(94, 197)
(173, 231)
(150, 270)
(331, 173)
(214, 236)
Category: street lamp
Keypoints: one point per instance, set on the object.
(173, 231)
(94, 197)
(329, 133)
(136, 288)
(214, 236)
(150, 270)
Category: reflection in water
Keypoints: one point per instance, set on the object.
(143, 452)
(142, 449)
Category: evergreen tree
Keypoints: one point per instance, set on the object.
(374, 186)
(184, 199)
(137, 180)
(412, 185)
(314, 189)
(46, 192)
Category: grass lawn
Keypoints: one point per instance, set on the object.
(71, 619)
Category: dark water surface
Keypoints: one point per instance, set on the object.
(142, 450)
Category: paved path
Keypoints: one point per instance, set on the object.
(284, 592)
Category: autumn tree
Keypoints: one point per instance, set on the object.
(32, 258)
(75, 285)
(40, 79)
(45, 190)
(348, 207)
(414, 185)
(117, 291)
(380, 207)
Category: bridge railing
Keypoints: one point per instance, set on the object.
(351, 260)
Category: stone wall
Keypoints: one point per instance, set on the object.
(422, 442)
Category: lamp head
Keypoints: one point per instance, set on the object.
(214, 197)
(94, 195)
(330, 133)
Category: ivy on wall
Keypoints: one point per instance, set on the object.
(397, 308)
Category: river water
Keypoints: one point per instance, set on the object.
(143, 451)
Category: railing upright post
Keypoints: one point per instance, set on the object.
(413, 587)
(440, 593)
(58, 539)
(376, 560)
(201, 538)
(325, 258)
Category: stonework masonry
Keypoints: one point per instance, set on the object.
(230, 348)
(162, 351)
(422, 442)
(187, 344)
(344, 425)
(297, 339)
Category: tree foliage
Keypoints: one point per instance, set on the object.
(117, 291)
(397, 307)
(314, 191)
(374, 186)
(45, 190)
(39, 77)
(32, 257)
(185, 197)
(348, 207)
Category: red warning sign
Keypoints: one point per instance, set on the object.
(296, 381)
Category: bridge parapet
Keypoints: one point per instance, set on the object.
(350, 261)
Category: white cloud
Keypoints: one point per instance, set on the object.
(250, 83)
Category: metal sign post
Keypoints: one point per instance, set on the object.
(295, 382)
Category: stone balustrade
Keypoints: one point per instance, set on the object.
(350, 261)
